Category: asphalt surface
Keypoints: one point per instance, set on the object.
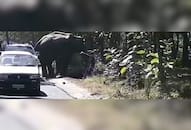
(48, 91)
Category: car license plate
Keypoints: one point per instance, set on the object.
(18, 86)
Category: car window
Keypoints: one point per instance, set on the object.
(20, 48)
(7, 61)
(18, 60)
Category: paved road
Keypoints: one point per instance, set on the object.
(58, 88)
(48, 91)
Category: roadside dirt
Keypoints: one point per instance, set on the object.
(76, 88)
(94, 87)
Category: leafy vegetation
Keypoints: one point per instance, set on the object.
(157, 63)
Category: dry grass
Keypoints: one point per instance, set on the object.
(99, 85)
(114, 89)
(96, 85)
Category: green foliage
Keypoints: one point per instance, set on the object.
(178, 63)
(108, 57)
(185, 91)
(99, 68)
(123, 71)
(155, 61)
(136, 57)
(141, 52)
(155, 55)
(169, 65)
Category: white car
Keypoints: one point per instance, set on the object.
(20, 47)
(19, 72)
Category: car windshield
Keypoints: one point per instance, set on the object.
(18, 60)
(20, 48)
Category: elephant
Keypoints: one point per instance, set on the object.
(59, 47)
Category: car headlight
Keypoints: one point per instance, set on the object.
(3, 76)
(36, 76)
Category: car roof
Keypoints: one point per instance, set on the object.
(16, 53)
(20, 45)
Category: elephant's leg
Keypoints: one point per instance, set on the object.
(61, 66)
(64, 66)
(50, 71)
(64, 69)
(43, 64)
(58, 66)
(44, 71)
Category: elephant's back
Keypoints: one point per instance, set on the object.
(58, 43)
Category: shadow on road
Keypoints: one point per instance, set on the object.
(13, 95)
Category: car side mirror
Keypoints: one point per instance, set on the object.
(39, 64)
(37, 53)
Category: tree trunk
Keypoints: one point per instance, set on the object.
(115, 39)
(162, 77)
(175, 48)
(33, 40)
(124, 42)
(185, 50)
(101, 46)
(7, 37)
